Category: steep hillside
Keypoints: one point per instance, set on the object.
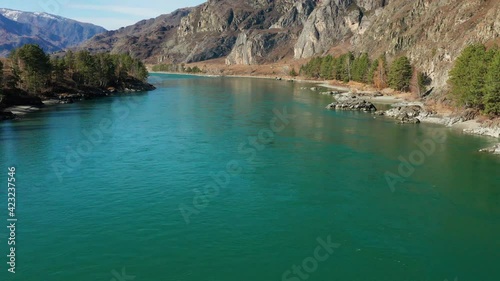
(52, 33)
(145, 40)
(431, 33)
(250, 32)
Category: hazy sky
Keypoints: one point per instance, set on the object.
(110, 14)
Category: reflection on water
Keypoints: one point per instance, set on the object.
(322, 175)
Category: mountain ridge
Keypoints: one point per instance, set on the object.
(255, 32)
(53, 33)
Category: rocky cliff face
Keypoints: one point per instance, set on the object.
(430, 32)
(271, 41)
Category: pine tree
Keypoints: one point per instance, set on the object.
(400, 74)
(58, 69)
(32, 66)
(360, 68)
(327, 68)
(312, 68)
(492, 86)
(468, 74)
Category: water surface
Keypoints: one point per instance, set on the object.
(100, 184)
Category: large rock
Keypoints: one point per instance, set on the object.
(494, 149)
(352, 104)
(407, 113)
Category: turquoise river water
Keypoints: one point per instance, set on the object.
(234, 179)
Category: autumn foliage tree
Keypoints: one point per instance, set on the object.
(378, 72)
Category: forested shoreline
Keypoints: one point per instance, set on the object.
(474, 80)
(29, 76)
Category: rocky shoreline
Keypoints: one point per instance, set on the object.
(416, 112)
(404, 111)
(24, 104)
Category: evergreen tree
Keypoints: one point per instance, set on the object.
(348, 60)
(400, 74)
(105, 69)
(58, 69)
(468, 75)
(86, 69)
(32, 66)
(341, 71)
(360, 68)
(492, 87)
(326, 71)
(312, 68)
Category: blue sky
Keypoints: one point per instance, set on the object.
(110, 14)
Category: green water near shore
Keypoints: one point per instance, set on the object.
(100, 184)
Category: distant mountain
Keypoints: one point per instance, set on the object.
(52, 33)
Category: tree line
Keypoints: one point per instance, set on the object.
(475, 78)
(34, 71)
(176, 68)
(349, 67)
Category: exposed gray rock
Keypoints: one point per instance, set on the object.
(408, 120)
(401, 112)
(407, 113)
(325, 26)
(258, 47)
(368, 5)
(494, 149)
(296, 15)
(331, 93)
(352, 104)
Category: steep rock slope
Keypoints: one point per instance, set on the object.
(53, 33)
(332, 22)
(271, 42)
(431, 33)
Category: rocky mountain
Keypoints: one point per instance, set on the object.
(52, 33)
(430, 32)
(145, 40)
